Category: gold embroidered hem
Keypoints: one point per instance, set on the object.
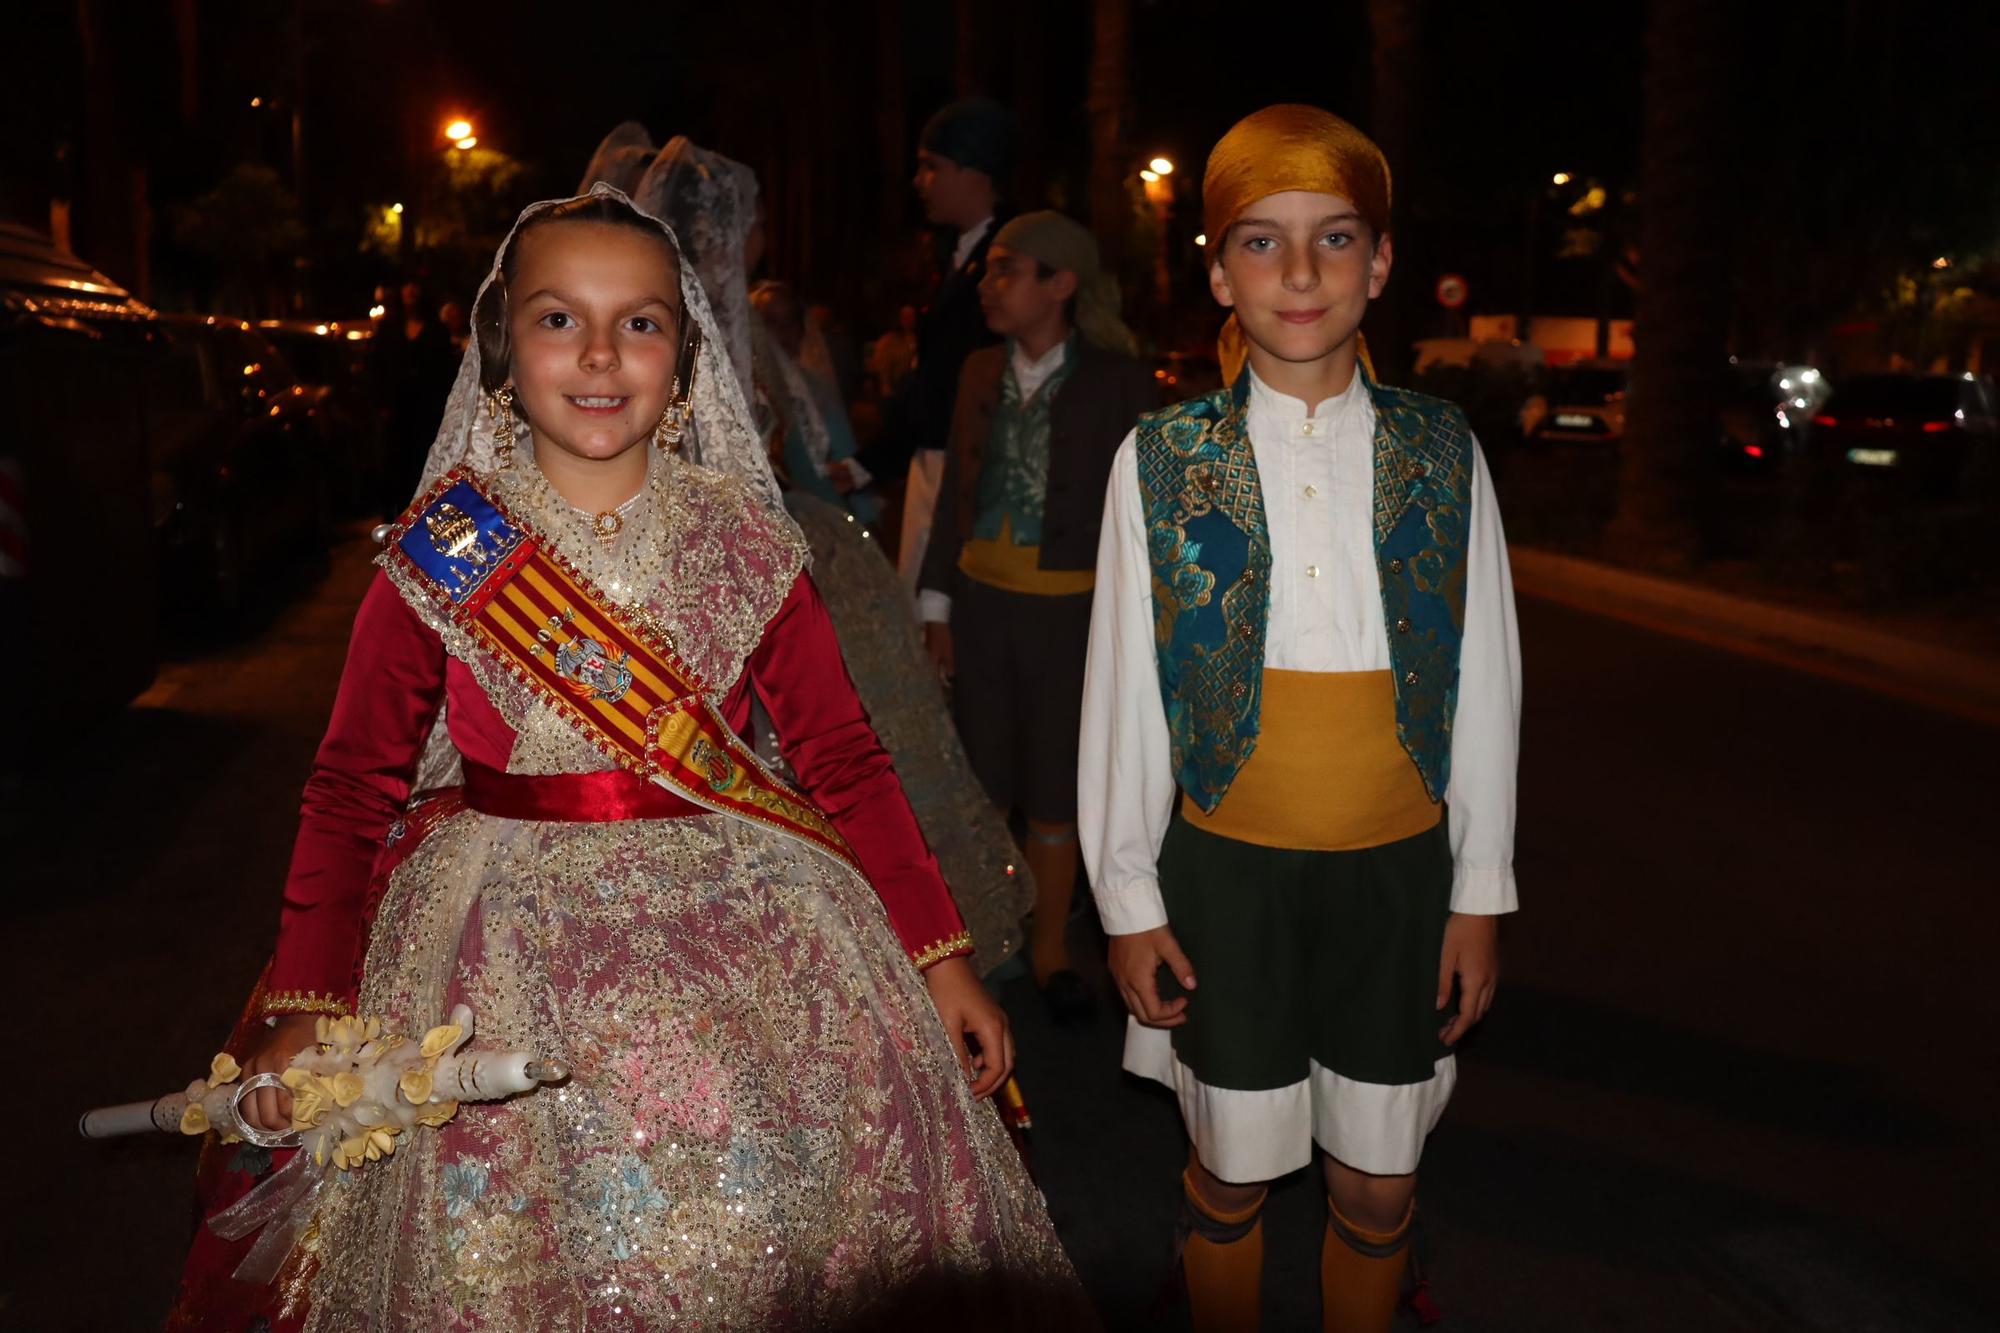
(304, 1002)
(952, 946)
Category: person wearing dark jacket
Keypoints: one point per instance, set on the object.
(965, 158)
(1005, 586)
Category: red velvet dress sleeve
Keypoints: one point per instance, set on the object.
(360, 781)
(798, 672)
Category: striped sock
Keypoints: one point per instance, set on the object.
(1361, 1273)
(1223, 1257)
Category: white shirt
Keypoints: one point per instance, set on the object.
(966, 240)
(1317, 473)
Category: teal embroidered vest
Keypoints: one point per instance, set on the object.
(1211, 559)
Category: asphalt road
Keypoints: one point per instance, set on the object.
(1736, 1078)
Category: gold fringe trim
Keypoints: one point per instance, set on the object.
(305, 1002)
(951, 946)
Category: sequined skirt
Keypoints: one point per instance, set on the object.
(765, 1126)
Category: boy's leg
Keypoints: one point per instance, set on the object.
(1381, 1076)
(1223, 1253)
(1050, 641)
(1051, 852)
(1365, 1249)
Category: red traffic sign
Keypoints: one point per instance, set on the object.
(1452, 291)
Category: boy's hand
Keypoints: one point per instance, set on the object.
(968, 1011)
(1471, 954)
(1135, 961)
(271, 1108)
(944, 656)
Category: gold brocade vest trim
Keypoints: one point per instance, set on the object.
(1210, 551)
(610, 672)
(1329, 773)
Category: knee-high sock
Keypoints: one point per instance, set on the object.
(1051, 854)
(1224, 1262)
(1361, 1273)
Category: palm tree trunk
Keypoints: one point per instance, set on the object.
(1110, 66)
(1395, 30)
(1681, 328)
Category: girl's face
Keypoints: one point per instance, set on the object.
(594, 314)
(1300, 271)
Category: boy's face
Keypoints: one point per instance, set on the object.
(954, 196)
(1299, 270)
(594, 318)
(1015, 298)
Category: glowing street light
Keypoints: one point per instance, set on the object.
(1162, 166)
(396, 208)
(1941, 263)
(458, 129)
(1561, 178)
(1150, 177)
(467, 142)
(1201, 239)
(256, 102)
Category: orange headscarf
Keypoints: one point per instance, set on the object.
(1288, 147)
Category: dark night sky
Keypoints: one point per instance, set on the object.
(1508, 93)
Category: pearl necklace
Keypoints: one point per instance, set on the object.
(607, 525)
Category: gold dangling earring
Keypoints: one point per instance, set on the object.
(501, 404)
(674, 421)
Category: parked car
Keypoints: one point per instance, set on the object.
(1766, 414)
(1923, 428)
(235, 442)
(1583, 402)
(330, 357)
(76, 505)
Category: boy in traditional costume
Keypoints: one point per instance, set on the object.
(766, 1123)
(1005, 588)
(1305, 624)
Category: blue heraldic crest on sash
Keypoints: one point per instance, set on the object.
(459, 540)
(1210, 551)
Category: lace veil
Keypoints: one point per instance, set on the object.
(722, 434)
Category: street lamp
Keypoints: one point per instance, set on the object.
(1162, 166)
(1561, 178)
(458, 129)
(467, 142)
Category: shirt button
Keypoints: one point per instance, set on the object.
(1311, 491)
(1306, 429)
(1312, 571)
(1403, 625)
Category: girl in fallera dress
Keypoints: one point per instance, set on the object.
(778, 1048)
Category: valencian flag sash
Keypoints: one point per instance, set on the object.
(610, 671)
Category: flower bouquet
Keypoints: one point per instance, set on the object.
(355, 1092)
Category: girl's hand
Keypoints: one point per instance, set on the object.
(271, 1108)
(968, 1011)
(1472, 954)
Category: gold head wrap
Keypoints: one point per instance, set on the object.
(1288, 147)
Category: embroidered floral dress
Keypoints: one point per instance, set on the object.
(766, 1125)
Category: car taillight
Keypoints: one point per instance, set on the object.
(1823, 419)
(1936, 427)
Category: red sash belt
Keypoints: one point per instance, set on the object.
(577, 798)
